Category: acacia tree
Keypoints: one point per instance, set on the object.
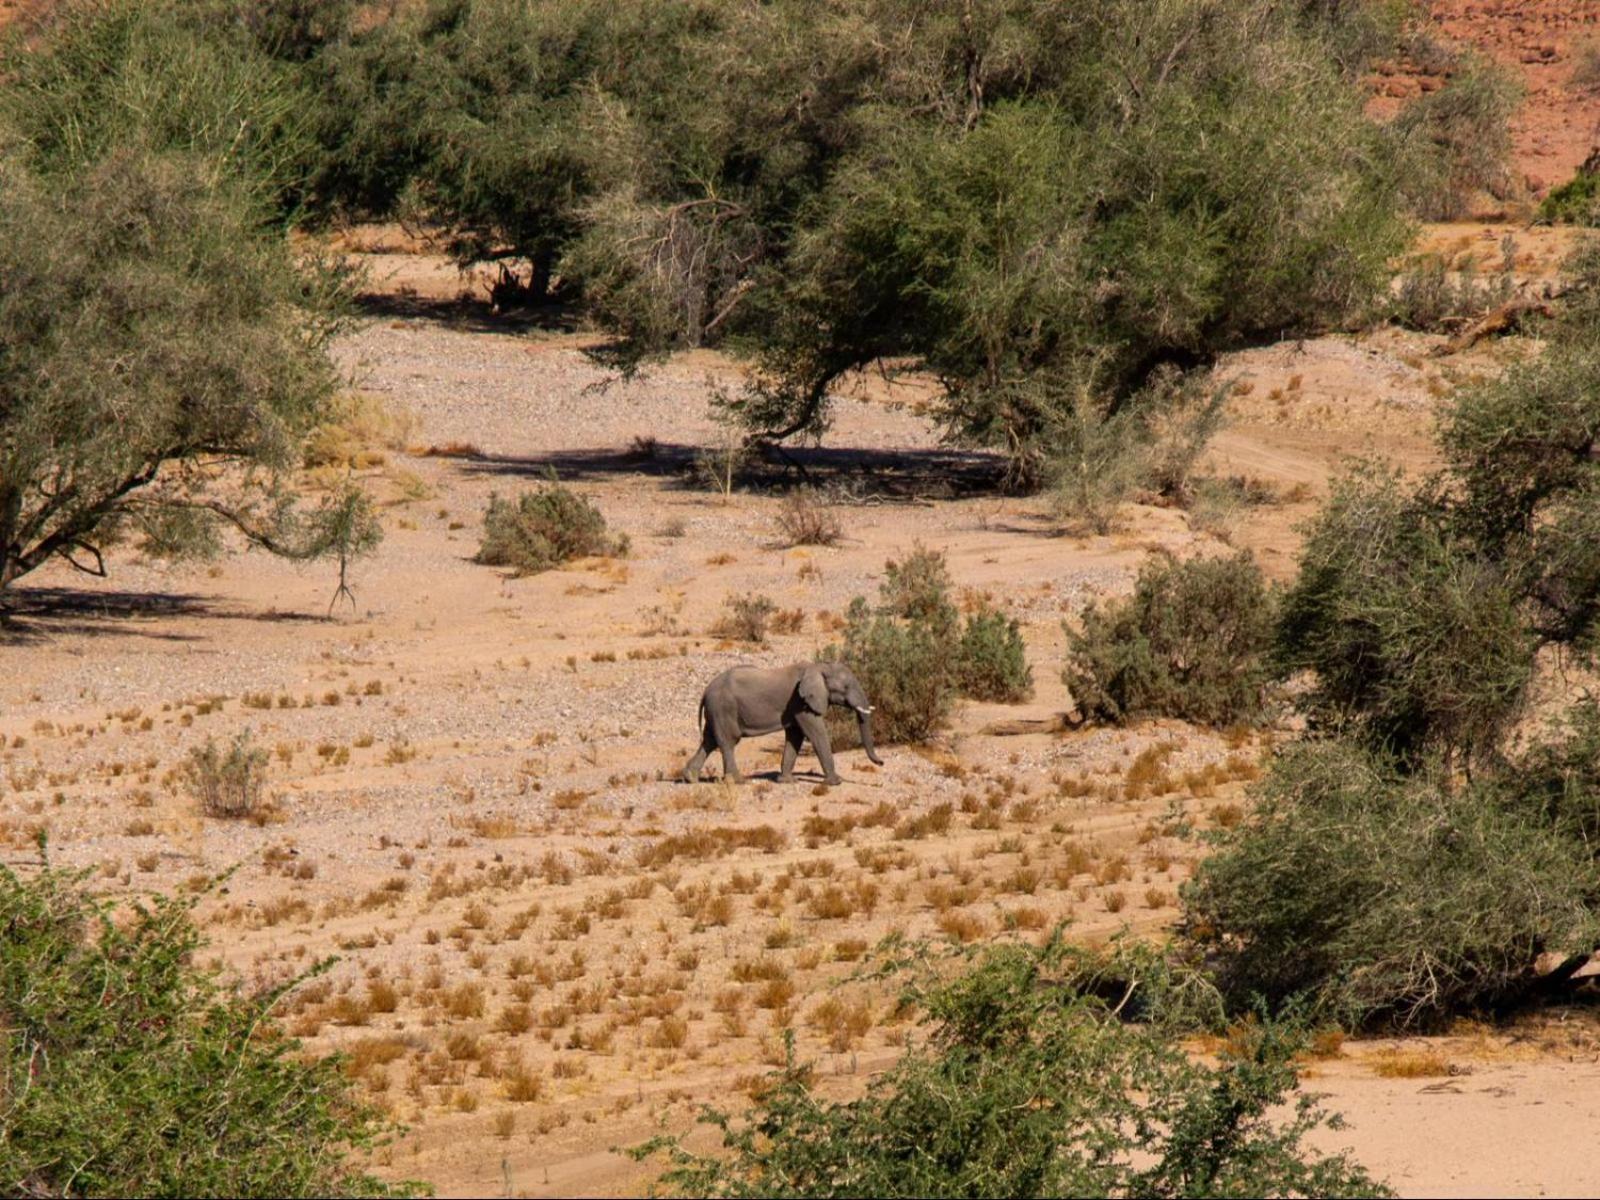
(160, 362)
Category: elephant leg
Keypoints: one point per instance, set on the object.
(708, 743)
(793, 739)
(730, 769)
(816, 729)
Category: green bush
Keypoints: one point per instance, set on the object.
(1456, 142)
(914, 657)
(1576, 202)
(544, 528)
(917, 588)
(1386, 897)
(1193, 641)
(1025, 1086)
(128, 1071)
(1418, 642)
(905, 669)
(992, 662)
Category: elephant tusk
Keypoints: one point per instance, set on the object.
(865, 712)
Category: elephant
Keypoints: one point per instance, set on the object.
(748, 701)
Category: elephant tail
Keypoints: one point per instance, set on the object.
(702, 716)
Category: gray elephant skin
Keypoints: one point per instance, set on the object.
(748, 701)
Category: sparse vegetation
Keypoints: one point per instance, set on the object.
(914, 657)
(745, 618)
(228, 783)
(805, 519)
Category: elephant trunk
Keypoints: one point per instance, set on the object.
(864, 723)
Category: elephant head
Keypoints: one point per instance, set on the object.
(834, 683)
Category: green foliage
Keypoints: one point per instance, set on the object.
(1456, 142)
(128, 1071)
(1027, 1086)
(148, 322)
(230, 783)
(156, 77)
(1418, 642)
(1416, 864)
(1121, 186)
(903, 666)
(1421, 610)
(1027, 199)
(1193, 641)
(1576, 202)
(914, 657)
(992, 662)
(917, 588)
(544, 528)
(1392, 897)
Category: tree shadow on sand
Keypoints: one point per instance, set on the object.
(904, 475)
(35, 614)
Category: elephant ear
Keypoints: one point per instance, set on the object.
(813, 690)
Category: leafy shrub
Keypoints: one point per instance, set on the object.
(1576, 202)
(914, 658)
(904, 667)
(1456, 142)
(231, 783)
(1418, 642)
(1026, 1086)
(1193, 641)
(917, 588)
(543, 529)
(128, 1071)
(992, 662)
(806, 520)
(1388, 897)
(745, 618)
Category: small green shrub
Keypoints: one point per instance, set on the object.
(914, 658)
(128, 1071)
(1192, 641)
(992, 663)
(1025, 1084)
(745, 618)
(1576, 202)
(905, 668)
(917, 588)
(544, 528)
(1387, 897)
(228, 783)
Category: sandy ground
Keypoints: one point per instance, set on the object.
(547, 946)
